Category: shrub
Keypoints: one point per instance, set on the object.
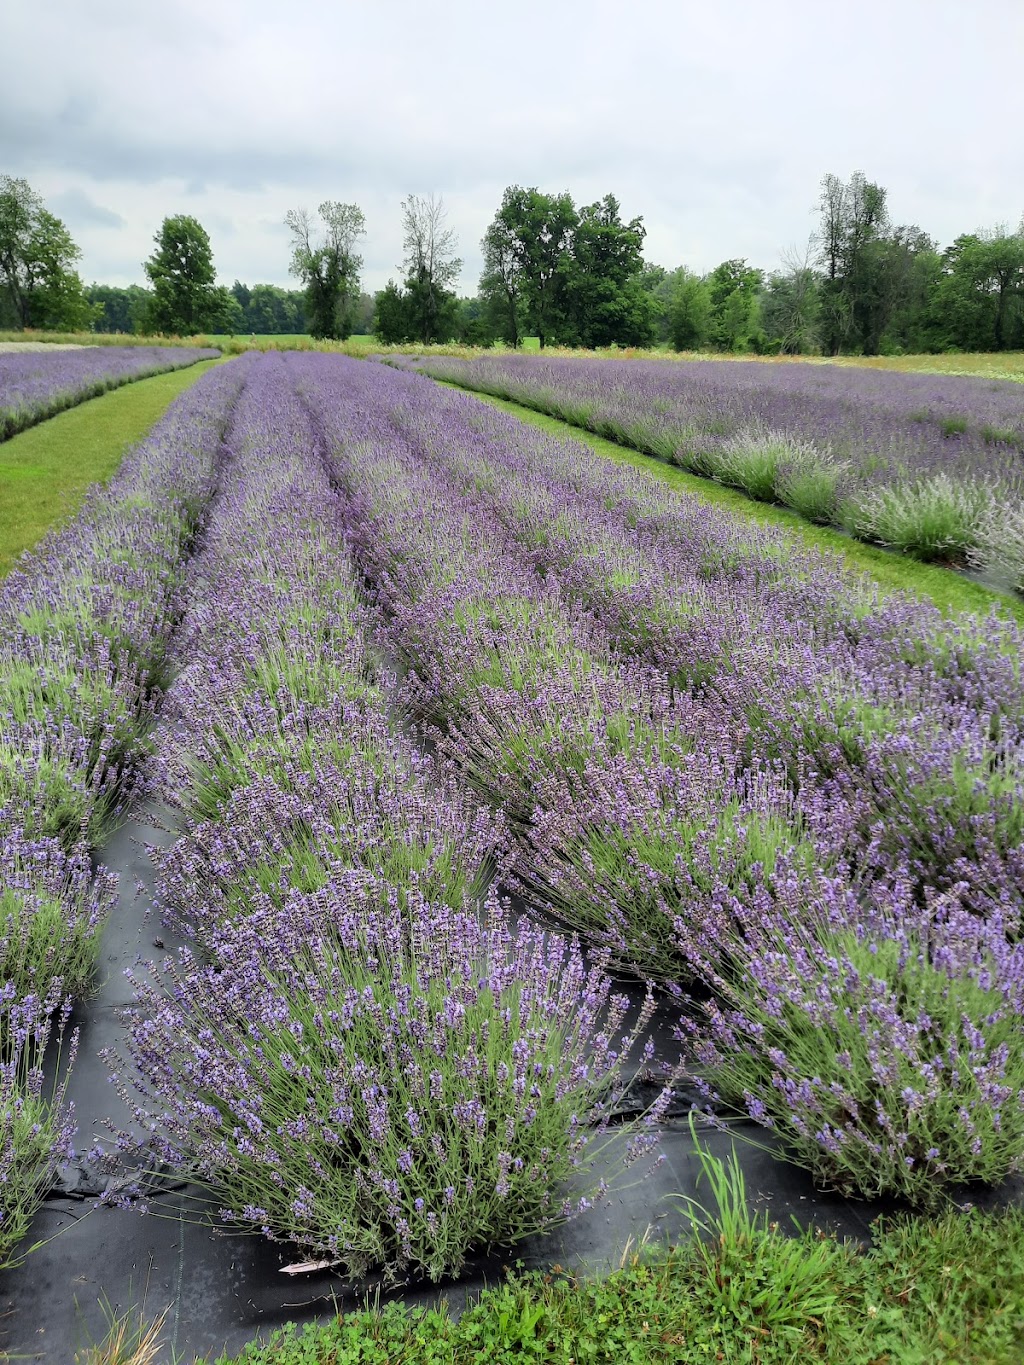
(888, 1059)
(384, 1088)
(36, 1130)
(1000, 547)
(51, 915)
(933, 518)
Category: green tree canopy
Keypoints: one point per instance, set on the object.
(39, 286)
(185, 296)
(326, 262)
(525, 255)
(733, 289)
(607, 302)
(689, 310)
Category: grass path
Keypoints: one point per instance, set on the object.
(948, 589)
(45, 471)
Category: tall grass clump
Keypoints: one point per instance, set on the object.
(933, 518)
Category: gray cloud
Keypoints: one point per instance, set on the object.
(715, 122)
(79, 209)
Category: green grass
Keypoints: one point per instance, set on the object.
(892, 572)
(945, 1292)
(46, 471)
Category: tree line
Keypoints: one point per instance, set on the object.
(563, 274)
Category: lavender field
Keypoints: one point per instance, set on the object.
(460, 728)
(36, 383)
(930, 465)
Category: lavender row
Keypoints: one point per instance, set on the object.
(85, 621)
(872, 1021)
(589, 753)
(36, 384)
(930, 466)
(376, 1066)
(909, 729)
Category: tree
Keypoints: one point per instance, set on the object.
(532, 235)
(979, 299)
(185, 296)
(390, 323)
(501, 284)
(328, 265)
(431, 268)
(37, 253)
(733, 288)
(119, 309)
(689, 310)
(791, 305)
(606, 300)
(853, 217)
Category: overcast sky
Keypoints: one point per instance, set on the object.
(714, 121)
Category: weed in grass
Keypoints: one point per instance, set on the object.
(130, 1339)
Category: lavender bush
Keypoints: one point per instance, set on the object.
(36, 1128)
(886, 1056)
(914, 723)
(383, 1099)
(366, 1061)
(85, 621)
(52, 911)
(1000, 544)
(36, 384)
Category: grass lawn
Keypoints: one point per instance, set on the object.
(45, 471)
(947, 589)
(946, 1293)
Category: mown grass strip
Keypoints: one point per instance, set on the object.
(893, 573)
(946, 1293)
(46, 471)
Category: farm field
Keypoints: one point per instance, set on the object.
(46, 470)
(948, 588)
(35, 383)
(930, 468)
(496, 779)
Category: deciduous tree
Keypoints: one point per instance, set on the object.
(326, 262)
(606, 299)
(431, 269)
(37, 255)
(535, 231)
(185, 295)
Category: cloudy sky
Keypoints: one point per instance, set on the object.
(713, 119)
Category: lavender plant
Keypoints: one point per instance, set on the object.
(910, 464)
(391, 1091)
(935, 518)
(36, 1123)
(52, 910)
(1000, 544)
(886, 1056)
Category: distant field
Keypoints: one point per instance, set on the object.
(995, 365)
(45, 471)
